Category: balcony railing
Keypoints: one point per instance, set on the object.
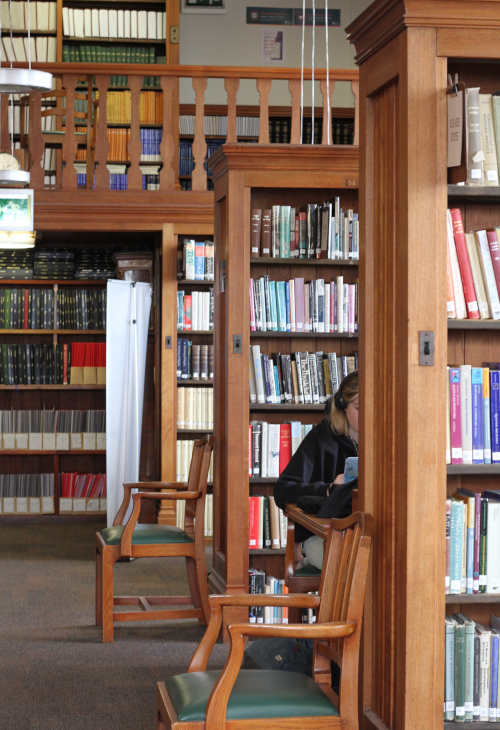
(168, 76)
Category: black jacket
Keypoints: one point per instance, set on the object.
(318, 460)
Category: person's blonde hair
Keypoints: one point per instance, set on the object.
(337, 419)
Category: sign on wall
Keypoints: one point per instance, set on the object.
(204, 6)
(289, 16)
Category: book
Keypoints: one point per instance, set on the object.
(456, 537)
(488, 143)
(495, 415)
(493, 547)
(459, 669)
(455, 417)
(465, 268)
(449, 701)
(484, 670)
(488, 273)
(477, 276)
(255, 231)
(474, 152)
(466, 412)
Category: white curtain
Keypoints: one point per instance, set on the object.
(128, 307)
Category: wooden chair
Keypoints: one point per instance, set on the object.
(144, 540)
(54, 138)
(259, 699)
(303, 577)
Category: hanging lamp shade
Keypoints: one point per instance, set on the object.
(17, 239)
(24, 80)
(11, 178)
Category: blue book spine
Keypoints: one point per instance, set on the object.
(277, 384)
(495, 415)
(281, 313)
(180, 310)
(456, 531)
(179, 357)
(477, 416)
(185, 359)
(494, 677)
(273, 306)
(287, 297)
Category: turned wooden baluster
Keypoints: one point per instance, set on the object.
(102, 141)
(294, 86)
(35, 144)
(231, 86)
(355, 91)
(69, 145)
(327, 111)
(199, 175)
(264, 87)
(134, 145)
(169, 145)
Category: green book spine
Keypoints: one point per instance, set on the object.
(93, 53)
(72, 53)
(449, 694)
(2, 309)
(284, 232)
(151, 54)
(98, 54)
(65, 53)
(7, 309)
(5, 365)
(108, 54)
(10, 365)
(460, 672)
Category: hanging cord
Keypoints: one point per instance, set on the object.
(29, 37)
(10, 25)
(302, 73)
(312, 67)
(328, 141)
(12, 131)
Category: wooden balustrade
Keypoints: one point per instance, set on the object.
(68, 75)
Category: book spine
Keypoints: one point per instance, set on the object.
(488, 273)
(466, 412)
(477, 542)
(448, 533)
(469, 671)
(495, 415)
(455, 417)
(456, 546)
(494, 678)
(486, 416)
(460, 673)
(255, 231)
(475, 168)
(465, 269)
(477, 416)
(482, 545)
(449, 705)
(477, 674)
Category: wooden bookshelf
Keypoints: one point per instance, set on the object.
(405, 52)
(257, 177)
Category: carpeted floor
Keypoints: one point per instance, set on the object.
(55, 672)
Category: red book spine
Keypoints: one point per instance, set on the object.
(253, 516)
(187, 312)
(285, 445)
(26, 298)
(65, 364)
(465, 269)
(495, 254)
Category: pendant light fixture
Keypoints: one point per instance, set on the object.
(22, 80)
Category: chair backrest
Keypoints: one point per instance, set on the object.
(198, 477)
(342, 590)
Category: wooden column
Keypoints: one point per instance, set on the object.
(69, 144)
(231, 86)
(327, 110)
(102, 143)
(134, 146)
(294, 86)
(264, 87)
(199, 175)
(169, 146)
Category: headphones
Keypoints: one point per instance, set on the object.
(338, 398)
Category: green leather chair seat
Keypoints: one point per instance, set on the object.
(307, 571)
(256, 694)
(146, 535)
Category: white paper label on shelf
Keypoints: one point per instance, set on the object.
(475, 585)
(487, 454)
(35, 505)
(9, 506)
(21, 440)
(253, 542)
(484, 712)
(48, 505)
(469, 706)
(493, 713)
(103, 503)
(447, 581)
(79, 504)
(450, 706)
(450, 306)
(49, 442)
(276, 542)
(75, 441)
(477, 454)
(9, 441)
(482, 580)
(92, 505)
(89, 441)
(491, 175)
(495, 585)
(35, 442)
(101, 441)
(456, 585)
(470, 583)
(475, 711)
(495, 456)
(460, 711)
(22, 504)
(62, 441)
(65, 504)
(472, 307)
(456, 453)
(475, 174)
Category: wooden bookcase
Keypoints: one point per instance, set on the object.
(173, 237)
(255, 177)
(405, 51)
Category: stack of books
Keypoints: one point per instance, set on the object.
(52, 263)
(16, 264)
(94, 263)
(194, 362)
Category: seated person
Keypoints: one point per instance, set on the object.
(318, 464)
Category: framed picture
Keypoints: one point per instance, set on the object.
(209, 7)
(16, 210)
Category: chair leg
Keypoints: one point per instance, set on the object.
(161, 724)
(107, 597)
(197, 577)
(98, 587)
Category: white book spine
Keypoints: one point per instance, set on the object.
(466, 412)
(488, 273)
(340, 304)
(493, 547)
(274, 450)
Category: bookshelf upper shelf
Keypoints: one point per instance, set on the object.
(51, 282)
(485, 469)
(474, 324)
(473, 192)
(4, 331)
(332, 335)
(268, 261)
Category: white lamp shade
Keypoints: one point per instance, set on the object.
(24, 80)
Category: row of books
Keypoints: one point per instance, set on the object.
(195, 310)
(186, 159)
(51, 263)
(112, 53)
(37, 15)
(302, 377)
(260, 583)
(78, 484)
(471, 670)
(299, 306)
(272, 445)
(209, 515)
(52, 421)
(195, 260)
(267, 524)
(212, 147)
(119, 107)
(194, 362)
(482, 122)
(473, 542)
(323, 231)
(42, 49)
(184, 453)
(195, 408)
(34, 364)
(472, 426)
(473, 271)
(111, 23)
(60, 309)
(26, 485)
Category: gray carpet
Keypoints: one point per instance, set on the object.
(55, 672)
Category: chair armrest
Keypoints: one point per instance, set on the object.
(155, 495)
(147, 486)
(217, 702)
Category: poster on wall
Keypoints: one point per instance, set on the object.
(319, 17)
(272, 46)
(269, 16)
(204, 6)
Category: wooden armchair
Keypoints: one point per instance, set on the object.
(85, 130)
(159, 541)
(235, 698)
